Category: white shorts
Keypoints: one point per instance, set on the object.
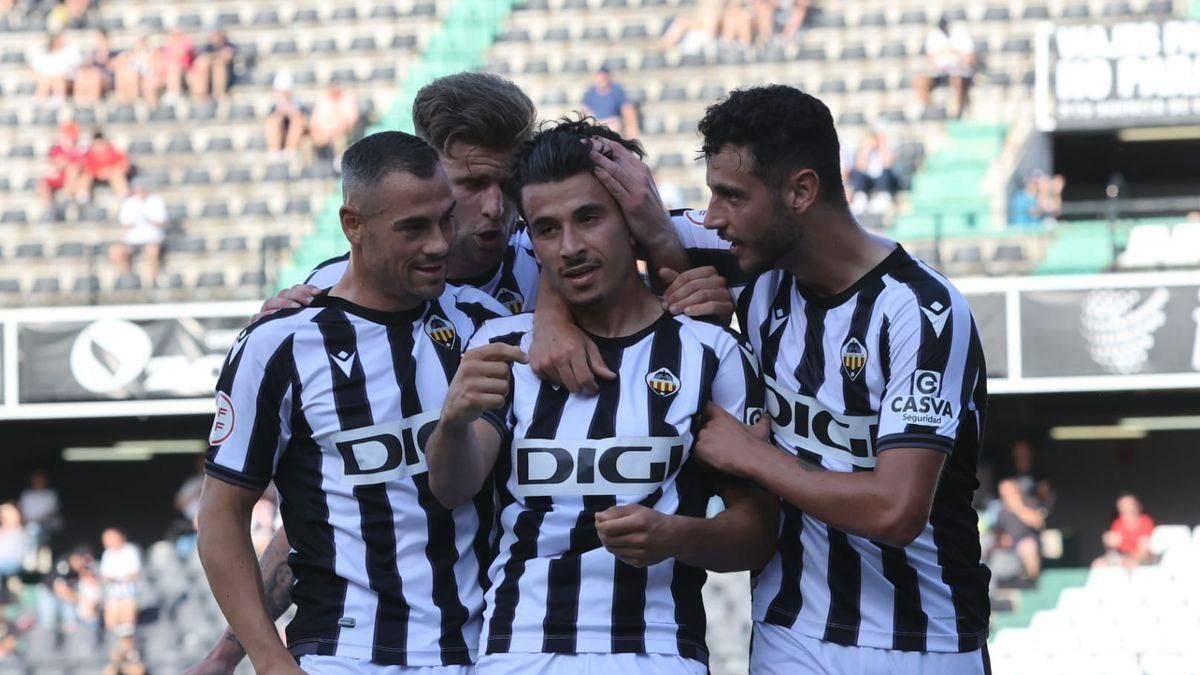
(587, 664)
(775, 650)
(345, 665)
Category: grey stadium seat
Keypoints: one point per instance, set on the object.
(210, 280)
(46, 285)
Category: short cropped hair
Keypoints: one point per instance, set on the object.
(475, 108)
(372, 157)
(557, 152)
(784, 130)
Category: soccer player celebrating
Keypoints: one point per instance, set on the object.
(877, 392)
(603, 535)
(333, 402)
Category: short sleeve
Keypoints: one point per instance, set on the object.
(738, 387)
(933, 366)
(329, 272)
(251, 426)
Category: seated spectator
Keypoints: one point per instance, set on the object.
(764, 19)
(135, 74)
(14, 542)
(1023, 207)
(950, 57)
(1127, 541)
(68, 14)
(54, 69)
(797, 14)
(287, 120)
(334, 117)
(187, 503)
(1018, 529)
(66, 162)
(174, 60)
(1035, 488)
(144, 217)
(695, 32)
(737, 24)
(66, 601)
(103, 162)
(872, 180)
(120, 568)
(212, 70)
(95, 75)
(607, 102)
(39, 504)
(1050, 189)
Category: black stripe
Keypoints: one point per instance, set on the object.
(781, 307)
(322, 265)
(440, 549)
(786, 605)
(278, 374)
(741, 310)
(378, 524)
(723, 261)
(845, 590)
(450, 356)
(885, 349)
(910, 623)
(934, 352)
(319, 593)
(508, 280)
(810, 372)
(855, 392)
(547, 411)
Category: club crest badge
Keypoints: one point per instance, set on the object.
(662, 382)
(512, 301)
(441, 331)
(854, 358)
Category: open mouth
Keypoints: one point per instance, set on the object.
(435, 270)
(490, 238)
(580, 274)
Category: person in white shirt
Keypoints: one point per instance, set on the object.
(54, 68)
(950, 59)
(120, 567)
(143, 216)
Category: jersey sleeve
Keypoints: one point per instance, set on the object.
(329, 272)
(251, 426)
(738, 387)
(933, 365)
(510, 331)
(704, 248)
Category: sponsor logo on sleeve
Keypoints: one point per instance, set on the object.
(923, 405)
(223, 420)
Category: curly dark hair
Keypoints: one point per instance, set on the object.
(557, 152)
(784, 130)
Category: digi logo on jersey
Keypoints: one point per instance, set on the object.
(635, 466)
(441, 331)
(923, 406)
(385, 451)
(805, 423)
(511, 300)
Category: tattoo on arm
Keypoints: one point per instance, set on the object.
(229, 636)
(278, 589)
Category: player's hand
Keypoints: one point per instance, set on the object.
(726, 444)
(299, 295)
(635, 534)
(481, 382)
(563, 354)
(697, 292)
(631, 184)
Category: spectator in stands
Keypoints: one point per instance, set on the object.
(872, 178)
(1127, 541)
(120, 568)
(144, 217)
(66, 163)
(14, 541)
(610, 105)
(136, 74)
(950, 59)
(103, 162)
(174, 60)
(54, 69)
(287, 120)
(68, 14)
(187, 503)
(797, 13)
(1034, 487)
(1023, 207)
(1050, 189)
(95, 75)
(212, 70)
(1018, 528)
(39, 505)
(695, 32)
(737, 24)
(66, 601)
(334, 117)
(764, 12)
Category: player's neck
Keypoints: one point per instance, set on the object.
(628, 311)
(356, 287)
(836, 254)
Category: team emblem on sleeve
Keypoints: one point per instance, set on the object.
(440, 331)
(663, 382)
(511, 300)
(854, 358)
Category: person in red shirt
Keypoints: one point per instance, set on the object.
(66, 159)
(103, 161)
(175, 59)
(1127, 541)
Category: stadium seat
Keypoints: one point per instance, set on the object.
(189, 21)
(203, 111)
(1035, 12)
(557, 34)
(894, 50)
(285, 46)
(1117, 9)
(265, 17)
(253, 279)
(84, 116)
(70, 249)
(596, 33)
(277, 172)
(1146, 246)
(343, 76)
(383, 74)
(152, 22)
(163, 113)
(141, 146)
(1159, 7)
(44, 285)
(324, 46)
(1076, 12)
(210, 279)
(228, 19)
(194, 176)
(363, 44)
(912, 17)
(215, 210)
(21, 152)
(635, 31)
(424, 9)
(29, 250)
(229, 244)
(387, 11)
(405, 41)
(86, 284)
(345, 13)
(174, 280)
(1000, 13)
(10, 285)
(256, 207)
(128, 282)
(305, 15)
(219, 144)
(297, 205)
(853, 53)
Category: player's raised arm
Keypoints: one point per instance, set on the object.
(463, 447)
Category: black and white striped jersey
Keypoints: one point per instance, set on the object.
(554, 588)
(892, 362)
(514, 282)
(334, 403)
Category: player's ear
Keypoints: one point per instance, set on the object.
(801, 189)
(351, 223)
